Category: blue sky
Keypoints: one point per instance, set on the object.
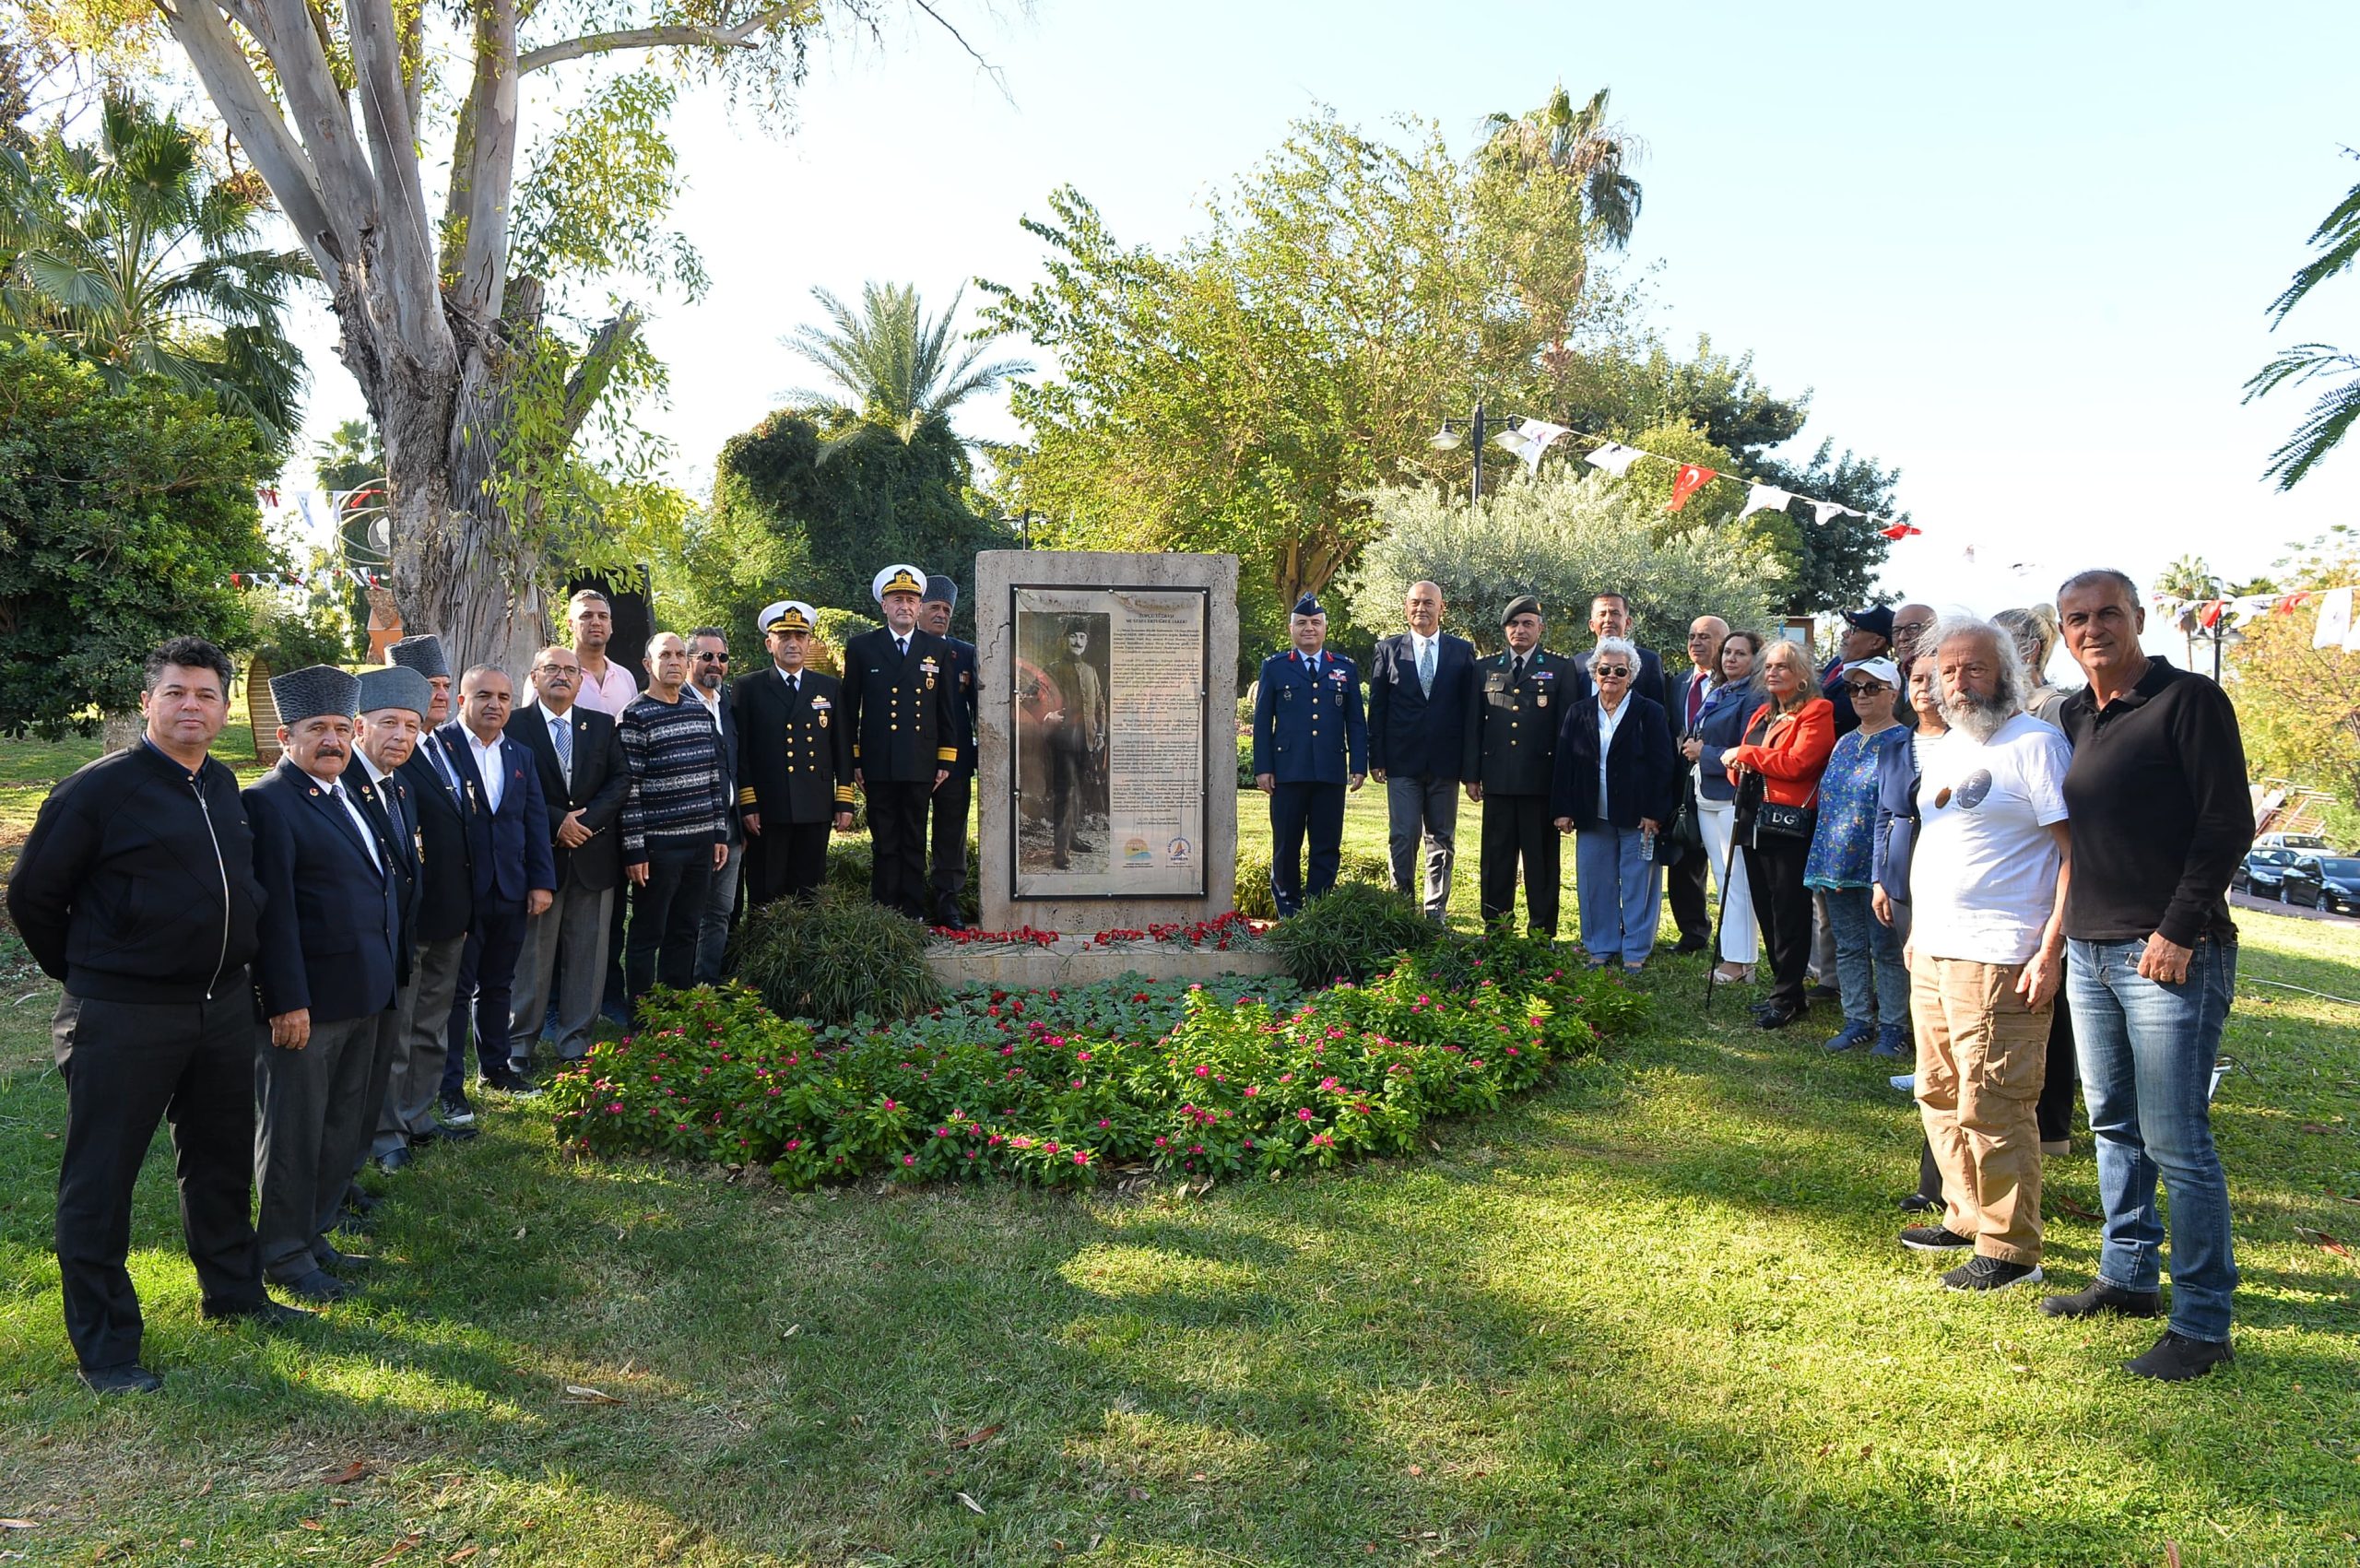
(2022, 253)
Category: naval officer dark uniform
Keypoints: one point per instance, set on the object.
(947, 814)
(1310, 737)
(1512, 754)
(792, 777)
(897, 711)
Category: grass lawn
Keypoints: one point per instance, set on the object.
(1652, 1314)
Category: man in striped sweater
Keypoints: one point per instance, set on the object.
(676, 825)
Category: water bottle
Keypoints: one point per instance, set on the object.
(1647, 844)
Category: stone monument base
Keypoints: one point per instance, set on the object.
(1078, 960)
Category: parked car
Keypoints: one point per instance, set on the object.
(2259, 871)
(2297, 841)
(2330, 882)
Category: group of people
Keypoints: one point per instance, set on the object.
(2015, 885)
(291, 974)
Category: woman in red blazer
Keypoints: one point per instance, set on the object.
(1785, 746)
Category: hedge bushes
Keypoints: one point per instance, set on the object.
(1244, 1078)
(835, 959)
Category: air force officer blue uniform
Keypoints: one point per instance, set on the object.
(1310, 736)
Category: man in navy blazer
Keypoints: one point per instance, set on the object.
(1310, 745)
(514, 873)
(1421, 691)
(1610, 616)
(326, 974)
(1685, 878)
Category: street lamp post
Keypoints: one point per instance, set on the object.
(1023, 521)
(1448, 439)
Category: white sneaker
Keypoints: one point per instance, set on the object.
(1906, 1082)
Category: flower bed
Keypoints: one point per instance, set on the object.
(1244, 1078)
(1229, 932)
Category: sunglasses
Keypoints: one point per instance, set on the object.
(1862, 688)
(1619, 672)
(712, 658)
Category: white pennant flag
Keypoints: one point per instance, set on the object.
(1535, 437)
(1765, 498)
(1615, 458)
(1826, 511)
(2335, 620)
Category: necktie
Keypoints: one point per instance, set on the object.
(1426, 666)
(1515, 671)
(368, 840)
(443, 766)
(793, 684)
(901, 645)
(561, 737)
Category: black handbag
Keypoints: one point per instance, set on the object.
(1778, 821)
(1687, 830)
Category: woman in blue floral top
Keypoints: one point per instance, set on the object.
(1869, 972)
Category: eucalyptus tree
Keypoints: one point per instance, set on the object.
(464, 310)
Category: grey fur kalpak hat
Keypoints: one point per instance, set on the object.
(308, 692)
(424, 653)
(396, 687)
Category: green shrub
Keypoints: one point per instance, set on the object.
(1243, 1077)
(835, 959)
(1253, 879)
(850, 859)
(1350, 932)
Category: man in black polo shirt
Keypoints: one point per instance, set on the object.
(136, 889)
(2160, 816)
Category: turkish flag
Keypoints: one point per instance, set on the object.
(2207, 614)
(1900, 531)
(1691, 478)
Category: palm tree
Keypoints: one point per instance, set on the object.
(2189, 579)
(136, 256)
(2331, 418)
(1582, 145)
(893, 366)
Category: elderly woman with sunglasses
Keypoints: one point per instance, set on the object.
(1874, 986)
(1617, 784)
(1785, 746)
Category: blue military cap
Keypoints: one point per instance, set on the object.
(1308, 604)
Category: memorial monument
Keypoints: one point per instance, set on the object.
(1107, 729)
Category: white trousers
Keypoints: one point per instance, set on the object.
(1740, 941)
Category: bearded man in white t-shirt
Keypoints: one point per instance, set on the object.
(1986, 952)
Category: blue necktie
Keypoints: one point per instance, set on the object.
(1426, 666)
(561, 734)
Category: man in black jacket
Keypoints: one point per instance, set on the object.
(947, 814)
(325, 971)
(1511, 755)
(445, 911)
(583, 781)
(1685, 878)
(898, 715)
(788, 789)
(1420, 685)
(1610, 616)
(136, 889)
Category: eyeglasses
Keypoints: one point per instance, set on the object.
(712, 658)
(1862, 688)
(1616, 672)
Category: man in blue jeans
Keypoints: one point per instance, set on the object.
(2157, 798)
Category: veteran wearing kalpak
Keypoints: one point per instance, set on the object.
(796, 781)
(898, 713)
(392, 704)
(1310, 745)
(326, 972)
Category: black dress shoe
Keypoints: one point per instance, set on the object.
(2177, 1358)
(394, 1160)
(451, 1133)
(1775, 1017)
(128, 1378)
(1690, 945)
(360, 1198)
(341, 1262)
(265, 1314)
(950, 921)
(2102, 1297)
(319, 1286)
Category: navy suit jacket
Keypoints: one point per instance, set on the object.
(331, 916)
(446, 886)
(508, 849)
(1307, 730)
(1642, 771)
(1411, 735)
(1675, 707)
(394, 819)
(601, 779)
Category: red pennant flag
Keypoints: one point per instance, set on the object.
(2207, 614)
(2288, 605)
(234, 582)
(1692, 478)
(1900, 531)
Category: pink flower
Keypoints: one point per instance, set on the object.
(1252, 1089)
(1103, 1123)
(1079, 1158)
(909, 1158)
(1303, 1114)
(1202, 1070)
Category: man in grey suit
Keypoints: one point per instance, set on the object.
(1421, 691)
(583, 784)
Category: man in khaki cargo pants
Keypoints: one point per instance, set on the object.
(1987, 952)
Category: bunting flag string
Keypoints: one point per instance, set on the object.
(321, 580)
(1616, 459)
(2337, 629)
